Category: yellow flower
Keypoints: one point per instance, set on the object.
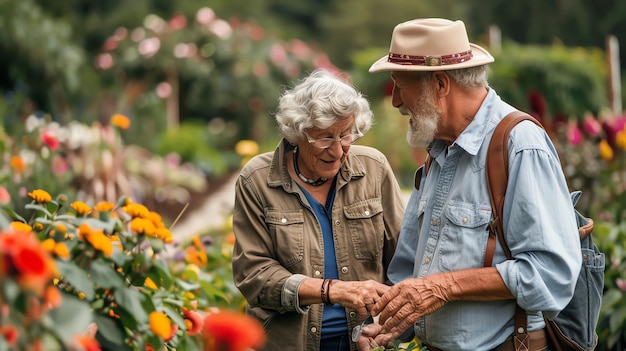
(38, 226)
(120, 121)
(247, 148)
(606, 152)
(156, 219)
(150, 284)
(81, 208)
(160, 324)
(100, 242)
(136, 210)
(21, 227)
(81, 295)
(104, 206)
(40, 196)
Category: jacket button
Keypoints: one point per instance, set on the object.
(337, 222)
(367, 213)
(317, 273)
(352, 314)
(344, 270)
(313, 330)
(283, 220)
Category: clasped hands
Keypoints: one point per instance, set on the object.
(399, 308)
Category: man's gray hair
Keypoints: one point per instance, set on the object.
(321, 100)
(471, 77)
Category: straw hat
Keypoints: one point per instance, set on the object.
(431, 44)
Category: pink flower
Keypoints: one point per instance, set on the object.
(591, 125)
(205, 15)
(621, 284)
(5, 197)
(59, 165)
(178, 22)
(574, 135)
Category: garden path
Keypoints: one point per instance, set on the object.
(212, 213)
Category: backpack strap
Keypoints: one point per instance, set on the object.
(497, 171)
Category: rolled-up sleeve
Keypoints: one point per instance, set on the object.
(289, 297)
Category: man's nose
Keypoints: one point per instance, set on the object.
(396, 100)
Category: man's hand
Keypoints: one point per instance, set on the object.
(372, 340)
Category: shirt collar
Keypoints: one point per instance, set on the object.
(471, 139)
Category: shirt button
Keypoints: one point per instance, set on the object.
(284, 220)
(344, 270)
(337, 222)
(434, 222)
(427, 260)
(317, 273)
(313, 330)
(367, 213)
(464, 219)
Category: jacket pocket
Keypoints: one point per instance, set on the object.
(287, 231)
(367, 228)
(464, 236)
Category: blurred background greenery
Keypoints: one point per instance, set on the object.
(196, 78)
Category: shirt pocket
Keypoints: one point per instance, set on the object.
(286, 228)
(464, 236)
(366, 225)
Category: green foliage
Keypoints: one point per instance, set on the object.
(571, 80)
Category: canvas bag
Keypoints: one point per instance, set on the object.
(575, 326)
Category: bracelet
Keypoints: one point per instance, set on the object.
(330, 282)
(323, 291)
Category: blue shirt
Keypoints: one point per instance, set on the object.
(445, 228)
(334, 321)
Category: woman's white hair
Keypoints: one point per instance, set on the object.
(321, 100)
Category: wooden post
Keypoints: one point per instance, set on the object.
(494, 38)
(615, 83)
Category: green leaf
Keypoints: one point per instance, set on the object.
(131, 300)
(103, 274)
(38, 207)
(175, 316)
(71, 318)
(618, 319)
(14, 216)
(110, 335)
(77, 277)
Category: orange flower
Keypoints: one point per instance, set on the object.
(81, 208)
(40, 196)
(21, 227)
(104, 206)
(173, 331)
(193, 321)
(233, 331)
(160, 324)
(142, 226)
(150, 284)
(606, 152)
(120, 121)
(25, 255)
(52, 297)
(136, 210)
(18, 164)
(87, 342)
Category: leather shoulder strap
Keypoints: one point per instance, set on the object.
(497, 170)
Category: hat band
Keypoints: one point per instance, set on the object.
(403, 59)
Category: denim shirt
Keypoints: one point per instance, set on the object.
(445, 228)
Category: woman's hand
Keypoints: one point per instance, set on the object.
(358, 295)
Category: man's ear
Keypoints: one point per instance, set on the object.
(443, 82)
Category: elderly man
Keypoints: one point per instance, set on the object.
(443, 289)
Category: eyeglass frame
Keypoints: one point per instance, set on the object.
(359, 135)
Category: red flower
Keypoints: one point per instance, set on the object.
(232, 331)
(9, 333)
(50, 139)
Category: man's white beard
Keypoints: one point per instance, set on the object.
(422, 130)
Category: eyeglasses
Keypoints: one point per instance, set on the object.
(325, 143)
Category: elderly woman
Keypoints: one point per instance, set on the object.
(316, 221)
